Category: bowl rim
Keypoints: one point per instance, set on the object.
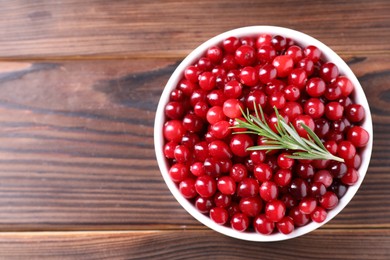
(301, 39)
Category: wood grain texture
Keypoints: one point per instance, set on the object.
(44, 29)
(354, 244)
(77, 147)
(79, 85)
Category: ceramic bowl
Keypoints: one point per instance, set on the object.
(302, 40)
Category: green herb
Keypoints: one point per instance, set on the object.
(310, 148)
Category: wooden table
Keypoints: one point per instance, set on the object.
(79, 86)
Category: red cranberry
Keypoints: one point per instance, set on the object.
(205, 186)
(338, 188)
(245, 55)
(247, 41)
(306, 120)
(258, 156)
(169, 149)
(226, 185)
(354, 113)
(265, 54)
(346, 150)
(314, 108)
(219, 150)
(222, 200)
(233, 89)
(215, 54)
(307, 205)
(268, 191)
(298, 217)
(351, 177)
(176, 95)
(321, 127)
(337, 169)
(221, 129)
(315, 87)
(358, 136)
(307, 65)
(279, 42)
(334, 111)
(216, 97)
(288, 200)
(249, 76)
(305, 170)
(329, 200)
(285, 225)
(255, 97)
(275, 210)
(295, 52)
(312, 52)
(192, 123)
(212, 167)
(229, 62)
(232, 108)
(219, 215)
(262, 172)
(192, 73)
(174, 110)
(344, 84)
(329, 71)
(317, 189)
(283, 64)
(240, 143)
(178, 172)
(274, 86)
(299, 188)
(267, 73)
(173, 130)
(215, 114)
(320, 164)
(182, 154)
(200, 109)
(187, 188)
(277, 100)
(251, 206)
(201, 151)
(332, 92)
(331, 146)
(354, 162)
(204, 64)
(238, 172)
(318, 215)
(231, 44)
(239, 222)
(297, 77)
(284, 161)
(324, 177)
(283, 177)
(263, 39)
(248, 187)
(263, 225)
(204, 204)
(291, 93)
(292, 110)
(197, 169)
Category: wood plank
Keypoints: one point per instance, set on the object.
(320, 244)
(123, 29)
(77, 147)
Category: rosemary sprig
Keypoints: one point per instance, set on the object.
(285, 138)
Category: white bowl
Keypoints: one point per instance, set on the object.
(302, 40)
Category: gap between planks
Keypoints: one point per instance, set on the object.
(148, 56)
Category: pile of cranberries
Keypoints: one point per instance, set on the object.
(259, 191)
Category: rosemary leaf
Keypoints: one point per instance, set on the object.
(286, 137)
